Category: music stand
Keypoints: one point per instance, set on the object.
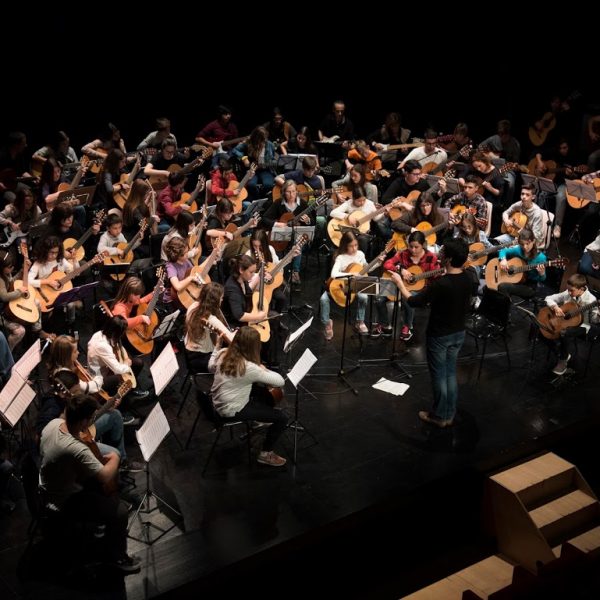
(15, 398)
(582, 191)
(149, 437)
(387, 287)
(77, 293)
(256, 206)
(164, 330)
(295, 375)
(83, 195)
(452, 185)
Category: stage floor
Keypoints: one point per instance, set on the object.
(369, 476)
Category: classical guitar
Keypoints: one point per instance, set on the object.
(126, 250)
(338, 287)
(292, 220)
(47, 294)
(76, 246)
(517, 268)
(110, 404)
(418, 277)
(579, 202)
(518, 220)
(550, 169)
(11, 235)
(258, 303)
(159, 182)
(140, 336)
(235, 230)
(24, 309)
(306, 192)
(189, 200)
(478, 253)
(573, 317)
(200, 274)
(240, 187)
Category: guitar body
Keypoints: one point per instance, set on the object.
(337, 287)
(396, 213)
(417, 284)
(79, 253)
(47, 295)
(478, 262)
(425, 228)
(575, 202)
(332, 227)
(494, 276)
(115, 260)
(24, 309)
(274, 283)
(184, 200)
(231, 227)
(63, 187)
(121, 196)
(264, 327)
(519, 220)
(140, 337)
(538, 135)
(432, 168)
(553, 324)
(236, 200)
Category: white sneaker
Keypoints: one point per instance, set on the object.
(556, 231)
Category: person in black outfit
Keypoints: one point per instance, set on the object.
(449, 298)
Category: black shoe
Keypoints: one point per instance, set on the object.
(129, 419)
(131, 466)
(139, 394)
(128, 564)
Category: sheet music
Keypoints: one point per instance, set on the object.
(391, 387)
(29, 361)
(153, 431)
(163, 369)
(167, 322)
(294, 336)
(15, 398)
(302, 367)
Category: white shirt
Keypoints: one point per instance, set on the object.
(102, 359)
(343, 260)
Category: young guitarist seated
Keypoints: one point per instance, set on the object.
(578, 294)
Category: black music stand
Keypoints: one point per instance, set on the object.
(163, 332)
(83, 195)
(295, 423)
(77, 293)
(394, 358)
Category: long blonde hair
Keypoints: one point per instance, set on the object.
(244, 347)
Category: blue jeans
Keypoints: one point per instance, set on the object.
(6, 358)
(585, 266)
(110, 425)
(442, 353)
(326, 304)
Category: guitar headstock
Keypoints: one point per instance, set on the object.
(106, 309)
(98, 258)
(123, 390)
(23, 249)
(206, 152)
(201, 182)
(99, 216)
(390, 245)
(560, 263)
(160, 274)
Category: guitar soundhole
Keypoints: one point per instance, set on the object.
(26, 294)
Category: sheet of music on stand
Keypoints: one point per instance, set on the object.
(284, 234)
(391, 387)
(15, 398)
(29, 361)
(294, 336)
(163, 369)
(302, 367)
(152, 432)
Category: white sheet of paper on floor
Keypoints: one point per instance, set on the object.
(391, 387)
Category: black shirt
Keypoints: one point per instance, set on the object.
(236, 301)
(449, 297)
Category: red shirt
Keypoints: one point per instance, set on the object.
(428, 262)
(219, 183)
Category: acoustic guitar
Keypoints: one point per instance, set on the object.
(551, 168)
(518, 220)
(190, 294)
(240, 187)
(552, 324)
(306, 192)
(47, 295)
(258, 303)
(24, 309)
(338, 287)
(517, 268)
(189, 200)
(76, 246)
(577, 202)
(428, 230)
(478, 253)
(126, 249)
(140, 336)
(235, 230)
(418, 278)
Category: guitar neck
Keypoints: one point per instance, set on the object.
(152, 304)
(493, 249)
(243, 228)
(245, 179)
(581, 309)
(210, 261)
(82, 240)
(76, 272)
(428, 274)
(434, 229)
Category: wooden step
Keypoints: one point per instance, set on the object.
(588, 542)
(537, 479)
(484, 578)
(564, 514)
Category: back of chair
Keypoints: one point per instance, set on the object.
(495, 307)
(547, 223)
(488, 227)
(155, 246)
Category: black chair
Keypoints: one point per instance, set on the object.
(490, 322)
(155, 246)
